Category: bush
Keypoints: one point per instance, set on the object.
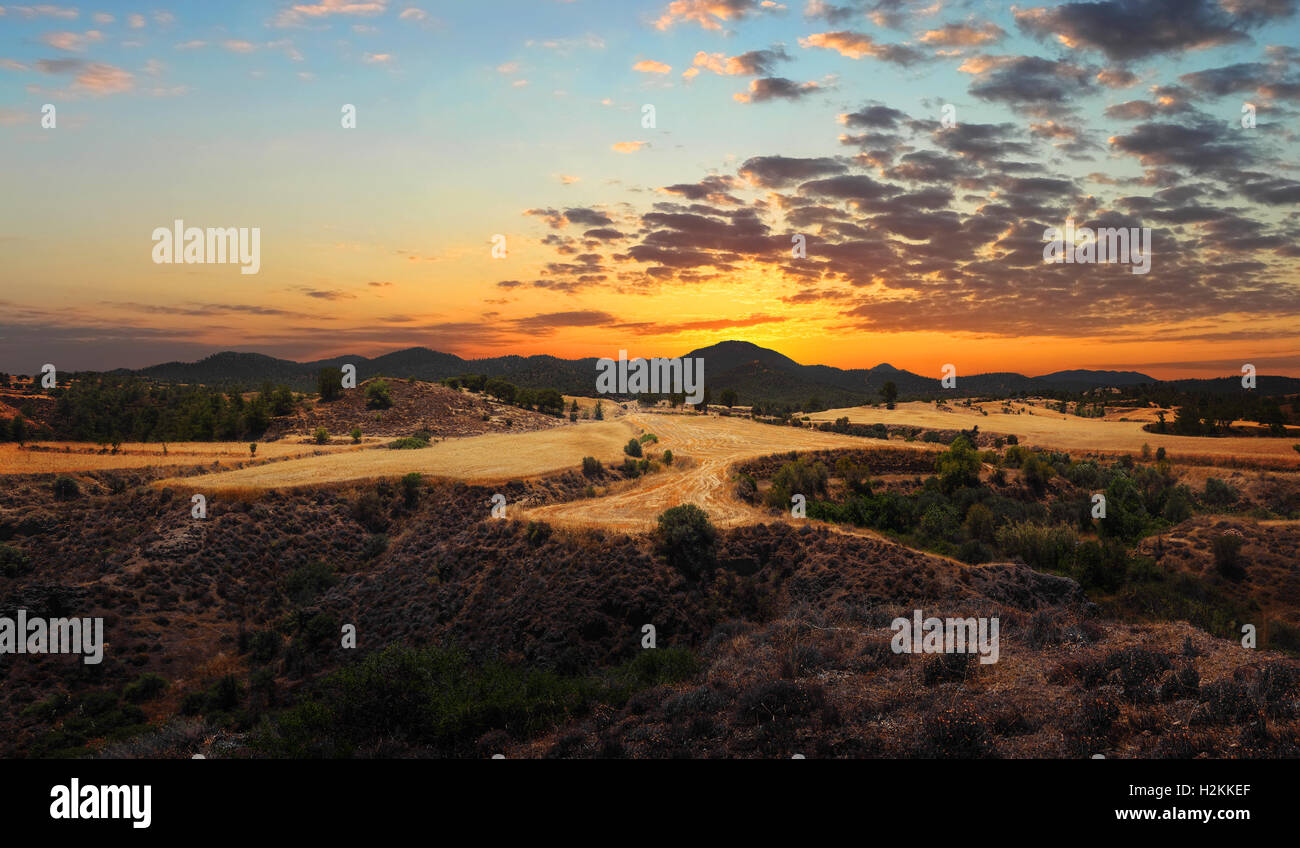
(379, 395)
(13, 562)
(800, 477)
(407, 443)
(305, 583)
(369, 513)
(959, 466)
(668, 457)
(632, 448)
(145, 688)
(356, 435)
(66, 488)
(687, 540)
(322, 436)
(1226, 548)
(591, 467)
(537, 533)
(1038, 546)
(1219, 493)
(411, 488)
(374, 546)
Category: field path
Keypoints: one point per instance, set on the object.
(710, 446)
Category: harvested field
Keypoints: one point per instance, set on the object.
(707, 447)
(58, 457)
(492, 457)
(1048, 429)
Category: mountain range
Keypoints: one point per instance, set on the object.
(753, 372)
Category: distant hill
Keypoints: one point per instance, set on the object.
(753, 372)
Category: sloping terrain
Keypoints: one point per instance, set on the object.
(415, 406)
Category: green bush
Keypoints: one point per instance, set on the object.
(959, 466)
(687, 540)
(66, 488)
(13, 562)
(668, 457)
(379, 395)
(305, 583)
(800, 477)
(356, 435)
(146, 687)
(1219, 493)
(322, 436)
(407, 443)
(632, 448)
(591, 467)
(1226, 548)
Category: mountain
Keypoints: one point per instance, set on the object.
(751, 371)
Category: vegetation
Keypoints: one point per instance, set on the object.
(687, 540)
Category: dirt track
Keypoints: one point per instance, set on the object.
(711, 445)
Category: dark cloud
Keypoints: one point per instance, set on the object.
(778, 171)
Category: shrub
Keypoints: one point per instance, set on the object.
(145, 688)
(537, 533)
(356, 435)
(668, 457)
(1039, 546)
(13, 562)
(1219, 493)
(305, 583)
(687, 540)
(1226, 548)
(632, 448)
(66, 488)
(411, 488)
(322, 436)
(407, 443)
(369, 513)
(330, 384)
(591, 467)
(374, 546)
(800, 477)
(379, 395)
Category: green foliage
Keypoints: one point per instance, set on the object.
(668, 457)
(146, 687)
(407, 443)
(329, 383)
(305, 583)
(411, 488)
(959, 466)
(687, 539)
(537, 533)
(379, 395)
(356, 435)
(321, 436)
(65, 488)
(591, 467)
(632, 448)
(1218, 493)
(1126, 513)
(801, 477)
(1040, 547)
(13, 562)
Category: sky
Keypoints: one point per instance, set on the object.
(918, 150)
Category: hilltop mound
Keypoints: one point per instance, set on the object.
(416, 406)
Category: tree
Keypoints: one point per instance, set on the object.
(687, 540)
(632, 448)
(599, 414)
(330, 384)
(959, 466)
(728, 397)
(889, 392)
(322, 436)
(252, 449)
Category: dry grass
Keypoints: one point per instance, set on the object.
(487, 458)
(84, 456)
(1050, 429)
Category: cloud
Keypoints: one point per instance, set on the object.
(73, 42)
(650, 66)
(94, 78)
(1133, 29)
(779, 171)
(856, 45)
(709, 14)
(963, 35)
(377, 58)
(298, 15)
(627, 146)
(775, 88)
(751, 63)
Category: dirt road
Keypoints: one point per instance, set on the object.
(711, 445)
